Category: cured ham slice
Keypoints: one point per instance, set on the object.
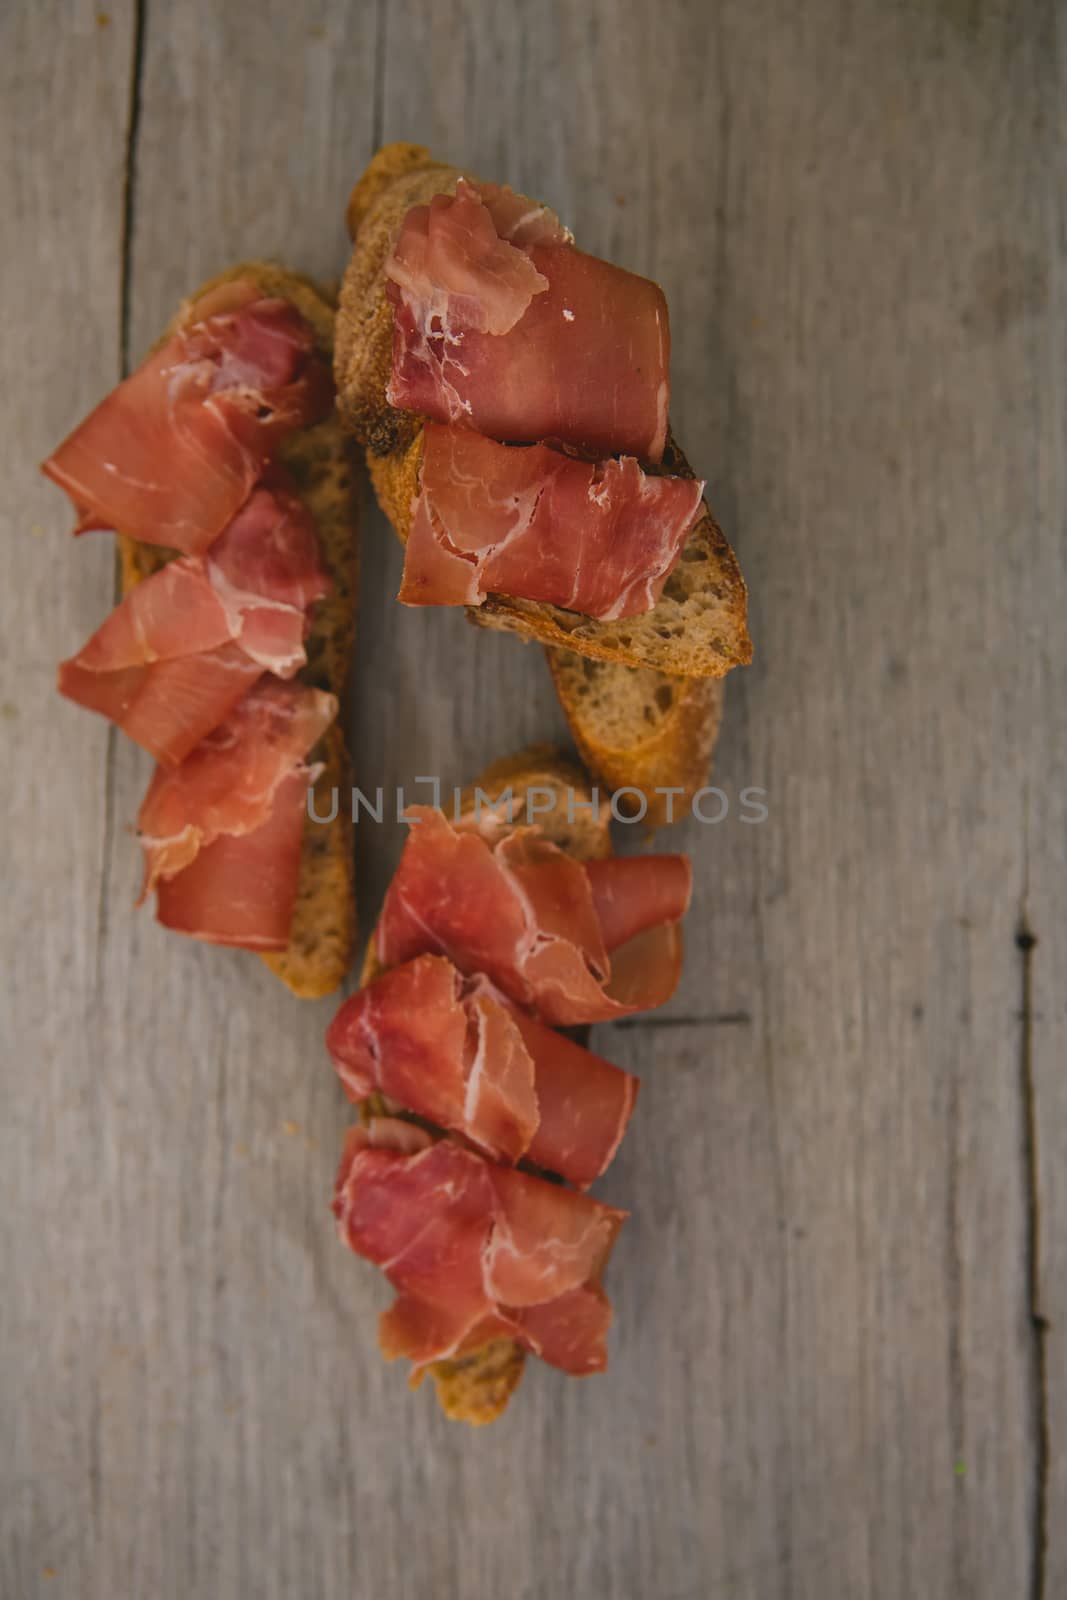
(540, 525)
(241, 888)
(222, 832)
(454, 1052)
(171, 454)
(584, 1104)
(501, 325)
(457, 1061)
(166, 708)
(468, 256)
(476, 1250)
(525, 914)
(172, 661)
(631, 894)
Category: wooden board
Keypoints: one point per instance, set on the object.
(839, 1364)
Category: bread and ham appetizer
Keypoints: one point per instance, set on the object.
(221, 467)
(491, 935)
(541, 377)
(222, 832)
(512, 395)
(601, 537)
(186, 645)
(476, 1251)
(573, 943)
(172, 454)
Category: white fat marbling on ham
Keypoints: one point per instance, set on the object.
(526, 915)
(175, 657)
(537, 524)
(501, 325)
(452, 1232)
(173, 452)
(222, 832)
(458, 1053)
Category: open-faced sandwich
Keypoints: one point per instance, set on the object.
(482, 1126)
(512, 394)
(221, 466)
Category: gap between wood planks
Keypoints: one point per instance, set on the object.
(378, 114)
(129, 191)
(720, 1019)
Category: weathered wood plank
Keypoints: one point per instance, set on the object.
(845, 1399)
(251, 125)
(64, 94)
(1041, 690)
(826, 1379)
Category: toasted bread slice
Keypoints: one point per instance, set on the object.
(697, 629)
(320, 460)
(637, 728)
(476, 1387)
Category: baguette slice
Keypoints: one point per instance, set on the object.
(476, 1387)
(637, 728)
(697, 629)
(320, 459)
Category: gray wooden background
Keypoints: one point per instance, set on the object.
(838, 1368)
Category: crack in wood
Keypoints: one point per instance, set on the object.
(129, 186)
(1026, 944)
(954, 1272)
(378, 115)
(718, 1019)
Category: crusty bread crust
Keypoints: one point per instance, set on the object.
(476, 1387)
(321, 461)
(636, 728)
(697, 629)
(399, 176)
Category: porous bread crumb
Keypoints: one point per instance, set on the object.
(638, 728)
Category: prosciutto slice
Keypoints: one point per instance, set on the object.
(171, 454)
(525, 915)
(222, 832)
(501, 325)
(475, 1250)
(532, 522)
(241, 888)
(172, 661)
(456, 1053)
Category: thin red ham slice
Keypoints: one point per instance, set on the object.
(584, 1103)
(171, 662)
(456, 1053)
(501, 325)
(241, 888)
(533, 522)
(633, 893)
(464, 256)
(171, 454)
(166, 708)
(456, 1234)
(524, 913)
(222, 832)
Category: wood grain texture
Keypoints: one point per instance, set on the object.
(63, 106)
(1038, 714)
(847, 1173)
